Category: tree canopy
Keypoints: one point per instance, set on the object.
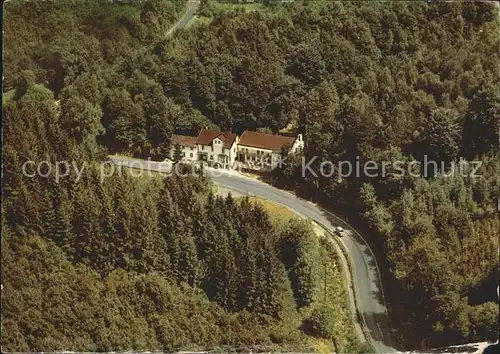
(400, 81)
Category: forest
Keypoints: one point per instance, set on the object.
(152, 263)
(373, 81)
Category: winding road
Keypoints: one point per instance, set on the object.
(189, 14)
(368, 287)
(366, 277)
(191, 7)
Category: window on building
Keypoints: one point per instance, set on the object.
(191, 155)
(212, 148)
(211, 157)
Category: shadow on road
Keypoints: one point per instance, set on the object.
(379, 328)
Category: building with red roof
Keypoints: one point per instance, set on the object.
(252, 150)
(187, 145)
(210, 145)
(263, 151)
(217, 147)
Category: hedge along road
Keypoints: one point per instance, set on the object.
(369, 297)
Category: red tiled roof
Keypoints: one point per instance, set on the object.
(207, 136)
(266, 141)
(184, 140)
(228, 139)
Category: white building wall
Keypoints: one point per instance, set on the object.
(298, 145)
(217, 148)
(276, 158)
(212, 152)
(233, 152)
(252, 154)
(189, 153)
(257, 155)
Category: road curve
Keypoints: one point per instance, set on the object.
(190, 13)
(191, 7)
(366, 277)
(371, 303)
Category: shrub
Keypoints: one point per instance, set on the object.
(320, 322)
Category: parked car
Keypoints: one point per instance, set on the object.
(339, 230)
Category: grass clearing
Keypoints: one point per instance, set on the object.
(280, 215)
(199, 21)
(331, 291)
(8, 96)
(141, 173)
(322, 346)
(144, 178)
(217, 7)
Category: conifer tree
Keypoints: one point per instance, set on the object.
(247, 290)
(85, 226)
(187, 265)
(298, 252)
(151, 243)
(63, 232)
(177, 153)
(107, 253)
(274, 280)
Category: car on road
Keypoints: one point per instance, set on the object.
(339, 230)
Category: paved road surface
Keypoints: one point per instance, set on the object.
(371, 303)
(367, 283)
(191, 8)
(366, 278)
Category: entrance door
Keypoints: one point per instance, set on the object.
(203, 157)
